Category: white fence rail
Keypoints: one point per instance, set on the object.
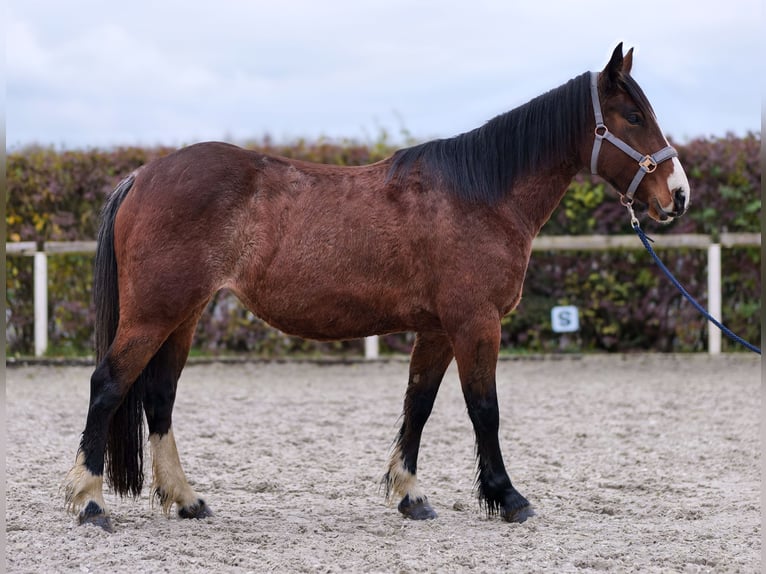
(543, 243)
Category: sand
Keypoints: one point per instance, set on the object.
(633, 464)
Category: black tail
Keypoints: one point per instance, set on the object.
(124, 455)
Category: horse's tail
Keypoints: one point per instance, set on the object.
(124, 456)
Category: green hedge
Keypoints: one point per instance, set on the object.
(625, 303)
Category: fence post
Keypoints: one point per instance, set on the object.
(41, 301)
(714, 297)
(371, 347)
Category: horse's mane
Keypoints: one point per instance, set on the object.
(628, 84)
(483, 164)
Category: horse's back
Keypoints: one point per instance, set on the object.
(223, 173)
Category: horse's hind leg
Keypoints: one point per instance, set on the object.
(169, 484)
(109, 388)
(431, 356)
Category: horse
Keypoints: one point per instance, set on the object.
(433, 240)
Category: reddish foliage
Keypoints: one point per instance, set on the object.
(626, 305)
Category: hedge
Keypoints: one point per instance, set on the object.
(625, 303)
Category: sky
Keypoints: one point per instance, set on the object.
(89, 73)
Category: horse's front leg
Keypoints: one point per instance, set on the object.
(476, 353)
(431, 356)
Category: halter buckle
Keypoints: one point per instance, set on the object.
(648, 164)
(603, 132)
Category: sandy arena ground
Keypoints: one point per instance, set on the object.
(633, 464)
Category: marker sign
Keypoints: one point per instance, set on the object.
(565, 319)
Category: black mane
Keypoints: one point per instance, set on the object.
(483, 164)
(628, 84)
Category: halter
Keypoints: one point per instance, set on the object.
(646, 163)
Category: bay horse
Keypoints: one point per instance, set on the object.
(435, 239)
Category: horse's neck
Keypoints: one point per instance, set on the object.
(535, 198)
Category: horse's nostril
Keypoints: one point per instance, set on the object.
(679, 200)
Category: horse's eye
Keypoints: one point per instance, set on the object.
(634, 119)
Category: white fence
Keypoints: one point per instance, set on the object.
(544, 243)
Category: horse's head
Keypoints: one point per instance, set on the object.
(629, 149)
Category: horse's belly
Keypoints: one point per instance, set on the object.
(334, 316)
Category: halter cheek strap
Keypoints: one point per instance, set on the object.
(646, 163)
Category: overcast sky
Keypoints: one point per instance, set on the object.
(86, 73)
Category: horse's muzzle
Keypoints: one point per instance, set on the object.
(678, 209)
(680, 202)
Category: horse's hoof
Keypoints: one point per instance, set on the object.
(419, 510)
(197, 510)
(518, 514)
(94, 514)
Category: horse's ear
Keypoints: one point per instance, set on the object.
(614, 67)
(627, 62)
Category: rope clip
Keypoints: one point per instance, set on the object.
(628, 204)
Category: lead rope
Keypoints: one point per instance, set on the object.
(645, 240)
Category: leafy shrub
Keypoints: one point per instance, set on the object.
(625, 302)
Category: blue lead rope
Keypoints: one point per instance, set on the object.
(645, 240)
